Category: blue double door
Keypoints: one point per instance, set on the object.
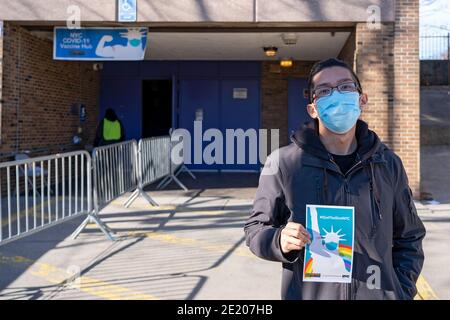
(221, 104)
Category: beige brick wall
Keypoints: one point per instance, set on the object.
(42, 92)
(387, 62)
(406, 131)
(374, 66)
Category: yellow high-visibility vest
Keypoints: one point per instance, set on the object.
(111, 130)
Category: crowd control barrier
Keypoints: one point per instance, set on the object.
(114, 174)
(174, 170)
(37, 193)
(152, 165)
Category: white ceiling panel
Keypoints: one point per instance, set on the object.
(242, 46)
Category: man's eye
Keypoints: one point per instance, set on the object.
(347, 87)
(323, 91)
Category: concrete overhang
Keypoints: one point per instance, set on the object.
(250, 11)
(306, 45)
(243, 45)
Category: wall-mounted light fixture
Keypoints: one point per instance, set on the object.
(286, 63)
(270, 51)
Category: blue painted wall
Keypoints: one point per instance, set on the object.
(199, 84)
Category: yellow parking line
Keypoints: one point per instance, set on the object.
(424, 290)
(145, 206)
(201, 244)
(30, 212)
(45, 204)
(95, 287)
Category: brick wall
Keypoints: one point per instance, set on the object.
(274, 92)
(387, 62)
(374, 66)
(406, 111)
(41, 91)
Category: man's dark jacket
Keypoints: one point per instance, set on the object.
(388, 231)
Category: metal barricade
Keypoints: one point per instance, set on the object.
(153, 164)
(114, 174)
(37, 193)
(175, 170)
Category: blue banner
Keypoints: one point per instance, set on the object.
(99, 44)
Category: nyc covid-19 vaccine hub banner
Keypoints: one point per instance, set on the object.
(99, 44)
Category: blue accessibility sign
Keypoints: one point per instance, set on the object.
(127, 10)
(97, 44)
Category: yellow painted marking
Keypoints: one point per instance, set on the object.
(147, 206)
(213, 212)
(45, 204)
(424, 290)
(98, 288)
(30, 212)
(172, 239)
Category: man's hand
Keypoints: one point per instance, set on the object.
(293, 237)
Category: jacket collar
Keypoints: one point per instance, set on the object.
(307, 138)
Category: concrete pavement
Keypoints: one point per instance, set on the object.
(191, 247)
(436, 246)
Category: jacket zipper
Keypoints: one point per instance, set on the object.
(372, 204)
(348, 286)
(349, 171)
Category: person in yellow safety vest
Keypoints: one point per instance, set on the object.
(110, 130)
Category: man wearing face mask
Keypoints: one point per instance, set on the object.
(335, 159)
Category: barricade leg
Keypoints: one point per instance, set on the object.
(149, 199)
(139, 192)
(178, 182)
(93, 218)
(184, 168)
(164, 182)
(131, 199)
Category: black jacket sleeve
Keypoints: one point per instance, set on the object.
(269, 215)
(408, 233)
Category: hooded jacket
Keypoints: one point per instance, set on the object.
(388, 232)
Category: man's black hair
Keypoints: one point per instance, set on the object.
(328, 63)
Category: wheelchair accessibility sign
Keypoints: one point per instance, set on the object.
(127, 10)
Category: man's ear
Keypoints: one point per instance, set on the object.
(312, 111)
(363, 99)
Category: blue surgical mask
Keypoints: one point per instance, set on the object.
(339, 111)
